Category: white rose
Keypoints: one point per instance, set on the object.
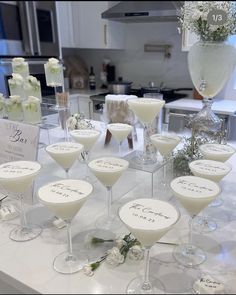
(32, 79)
(120, 243)
(136, 253)
(196, 15)
(71, 123)
(17, 77)
(53, 60)
(87, 270)
(15, 98)
(33, 99)
(17, 61)
(114, 257)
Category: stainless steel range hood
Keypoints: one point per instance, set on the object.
(143, 11)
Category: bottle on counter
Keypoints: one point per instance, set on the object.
(92, 82)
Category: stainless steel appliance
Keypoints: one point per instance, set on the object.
(28, 28)
(143, 11)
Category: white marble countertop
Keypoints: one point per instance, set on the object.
(220, 106)
(27, 267)
(74, 93)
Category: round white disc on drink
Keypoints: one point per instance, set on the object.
(217, 152)
(213, 170)
(119, 130)
(165, 143)
(87, 137)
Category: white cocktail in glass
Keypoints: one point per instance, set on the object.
(148, 220)
(86, 137)
(146, 109)
(194, 193)
(120, 131)
(217, 152)
(65, 198)
(65, 154)
(213, 170)
(17, 177)
(165, 144)
(108, 170)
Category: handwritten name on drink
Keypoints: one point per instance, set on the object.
(85, 132)
(146, 213)
(193, 186)
(109, 165)
(213, 168)
(64, 148)
(19, 170)
(65, 191)
(210, 283)
(222, 149)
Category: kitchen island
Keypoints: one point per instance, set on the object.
(27, 267)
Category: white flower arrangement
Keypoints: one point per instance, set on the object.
(77, 121)
(194, 17)
(16, 79)
(126, 246)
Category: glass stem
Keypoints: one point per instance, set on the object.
(109, 200)
(190, 240)
(23, 216)
(67, 173)
(69, 238)
(86, 158)
(165, 159)
(120, 152)
(147, 284)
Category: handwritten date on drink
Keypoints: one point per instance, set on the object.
(64, 148)
(209, 167)
(193, 187)
(64, 190)
(108, 164)
(147, 213)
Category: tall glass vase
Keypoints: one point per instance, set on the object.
(210, 65)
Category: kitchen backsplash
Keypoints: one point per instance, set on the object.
(140, 67)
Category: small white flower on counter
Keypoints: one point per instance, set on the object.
(120, 243)
(16, 79)
(15, 99)
(136, 253)
(114, 257)
(87, 270)
(18, 61)
(53, 60)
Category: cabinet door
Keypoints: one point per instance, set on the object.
(91, 31)
(65, 23)
(188, 39)
(85, 107)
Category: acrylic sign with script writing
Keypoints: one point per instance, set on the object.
(18, 141)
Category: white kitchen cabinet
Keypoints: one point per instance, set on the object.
(85, 106)
(65, 23)
(188, 39)
(81, 26)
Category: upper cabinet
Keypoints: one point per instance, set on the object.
(81, 26)
(188, 39)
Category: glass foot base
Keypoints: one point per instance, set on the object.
(23, 234)
(216, 203)
(204, 225)
(66, 264)
(189, 255)
(137, 286)
(108, 223)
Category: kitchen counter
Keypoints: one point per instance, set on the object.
(27, 267)
(85, 92)
(220, 106)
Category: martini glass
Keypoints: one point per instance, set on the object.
(194, 193)
(65, 154)
(86, 137)
(213, 170)
(217, 152)
(65, 198)
(120, 131)
(108, 170)
(17, 177)
(148, 220)
(146, 109)
(165, 144)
